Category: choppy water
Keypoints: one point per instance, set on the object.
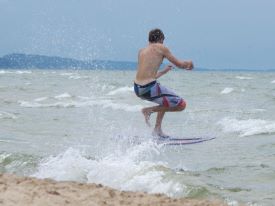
(87, 126)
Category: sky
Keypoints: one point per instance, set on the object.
(216, 34)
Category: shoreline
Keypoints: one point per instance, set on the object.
(23, 191)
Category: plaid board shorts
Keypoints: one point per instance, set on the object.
(157, 93)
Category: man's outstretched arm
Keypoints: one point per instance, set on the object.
(178, 63)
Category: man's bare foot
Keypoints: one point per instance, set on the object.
(159, 133)
(146, 114)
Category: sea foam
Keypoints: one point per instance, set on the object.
(243, 77)
(247, 127)
(63, 96)
(121, 90)
(15, 72)
(3, 72)
(40, 99)
(106, 104)
(7, 115)
(23, 72)
(121, 170)
(121, 106)
(227, 90)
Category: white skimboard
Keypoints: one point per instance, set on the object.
(169, 140)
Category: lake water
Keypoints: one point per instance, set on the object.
(87, 126)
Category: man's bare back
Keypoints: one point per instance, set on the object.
(149, 60)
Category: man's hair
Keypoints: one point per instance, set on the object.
(156, 35)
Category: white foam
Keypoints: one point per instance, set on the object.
(3, 72)
(227, 90)
(232, 202)
(78, 77)
(67, 74)
(74, 76)
(121, 106)
(56, 104)
(88, 103)
(121, 90)
(272, 82)
(243, 77)
(7, 115)
(23, 72)
(15, 72)
(29, 104)
(121, 170)
(40, 99)
(63, 96)
(247, 127)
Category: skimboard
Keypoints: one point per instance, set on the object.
(168, 140)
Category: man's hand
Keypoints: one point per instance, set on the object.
(164, 71)
(167, 68)
(189, 65)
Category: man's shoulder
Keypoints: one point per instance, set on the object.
(143, 49)
(161, 46)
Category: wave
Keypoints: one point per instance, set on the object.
(23, 72)
(7, 115)
(121, 90)
(21, 164)
(40, 99)
(125, 107)
(272, 82)
(248, 127)
(58, 97)
(74, 75)
(227, 90)
(63, 96)
(243, 77)
(15, 72)
(3, 72)
(78, 77)
(121, 170)
(67, 74)
(88, 103)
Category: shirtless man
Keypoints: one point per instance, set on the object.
(146, 87)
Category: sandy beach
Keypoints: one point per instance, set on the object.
(23, 191)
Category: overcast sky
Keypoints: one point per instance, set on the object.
(213, 33)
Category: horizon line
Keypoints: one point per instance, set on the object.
(135, 62)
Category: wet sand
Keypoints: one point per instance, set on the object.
(26, 191)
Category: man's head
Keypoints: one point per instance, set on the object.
(156, 36)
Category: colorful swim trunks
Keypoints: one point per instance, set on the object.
(154, 92)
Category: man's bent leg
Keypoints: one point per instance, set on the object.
(147, 111)
(158, 130)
